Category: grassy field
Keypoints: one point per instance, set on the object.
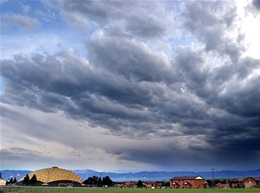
(124, 190)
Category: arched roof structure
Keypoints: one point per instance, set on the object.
(55, 174)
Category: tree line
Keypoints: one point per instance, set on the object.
(96, 181)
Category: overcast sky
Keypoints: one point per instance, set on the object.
(130, 85)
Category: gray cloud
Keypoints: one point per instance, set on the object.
(21, 21)
(256, 3)
(135, 18)
(209, 23)
(201, 102)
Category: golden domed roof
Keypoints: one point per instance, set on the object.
(53, 174)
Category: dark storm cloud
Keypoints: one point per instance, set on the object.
(138, 91)
(256, 3)
(139, 105)
(173, 157)
(134, 17)
(131, 59)
(211, 28)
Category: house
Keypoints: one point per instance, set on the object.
(120, 184)
(126, 184)
(249, 182)
(223, 186)
(188, 182)
(158, 184)
(131, 184)
(151, 184)
(234, 185)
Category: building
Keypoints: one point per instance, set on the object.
(130, 184)
(120, 184)
(188, 182)
(151, 184)
(223, 186)
(2, 182)
(248, 182)
(126, 184)
(55, 177)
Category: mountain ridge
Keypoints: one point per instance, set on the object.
(144, 175)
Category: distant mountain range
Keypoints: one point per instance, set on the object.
(145, 175)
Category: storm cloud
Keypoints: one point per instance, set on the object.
(162, 86)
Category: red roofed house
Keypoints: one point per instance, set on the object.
(152, 184)
(188, 182)
(249, 182)
(131, 184)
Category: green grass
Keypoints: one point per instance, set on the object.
(125, 190)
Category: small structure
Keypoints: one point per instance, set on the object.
(120, 184)
(130, 184)
(187, 182)
(223, 186)
(152, 184)
(248, 182)
(2, 182)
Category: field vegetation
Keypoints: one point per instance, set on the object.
(124, 190)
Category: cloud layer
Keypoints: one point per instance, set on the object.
(157, 85)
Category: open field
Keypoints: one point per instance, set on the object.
(123, 190)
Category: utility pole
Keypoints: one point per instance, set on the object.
(213, 183)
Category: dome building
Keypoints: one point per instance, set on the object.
(55, 177)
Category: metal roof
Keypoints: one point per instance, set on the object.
(187, 178)
(53, 174)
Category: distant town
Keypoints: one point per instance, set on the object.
(56, 176)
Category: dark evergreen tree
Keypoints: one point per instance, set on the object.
(11, 181)
(216, 181)
(33, 180)
(91, 181)
(139, 184)
(107, 181)
(14, 180)
(165, 183)
(99, 182)
(209, 183)
(26, 180)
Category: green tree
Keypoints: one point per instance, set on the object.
(165, 183)
(33, 180)
(224, 181)
(216, 181)
(91, 181)
(26, 180)
(107, 181)
(139, 184)
(99, 182)
(209, 183)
